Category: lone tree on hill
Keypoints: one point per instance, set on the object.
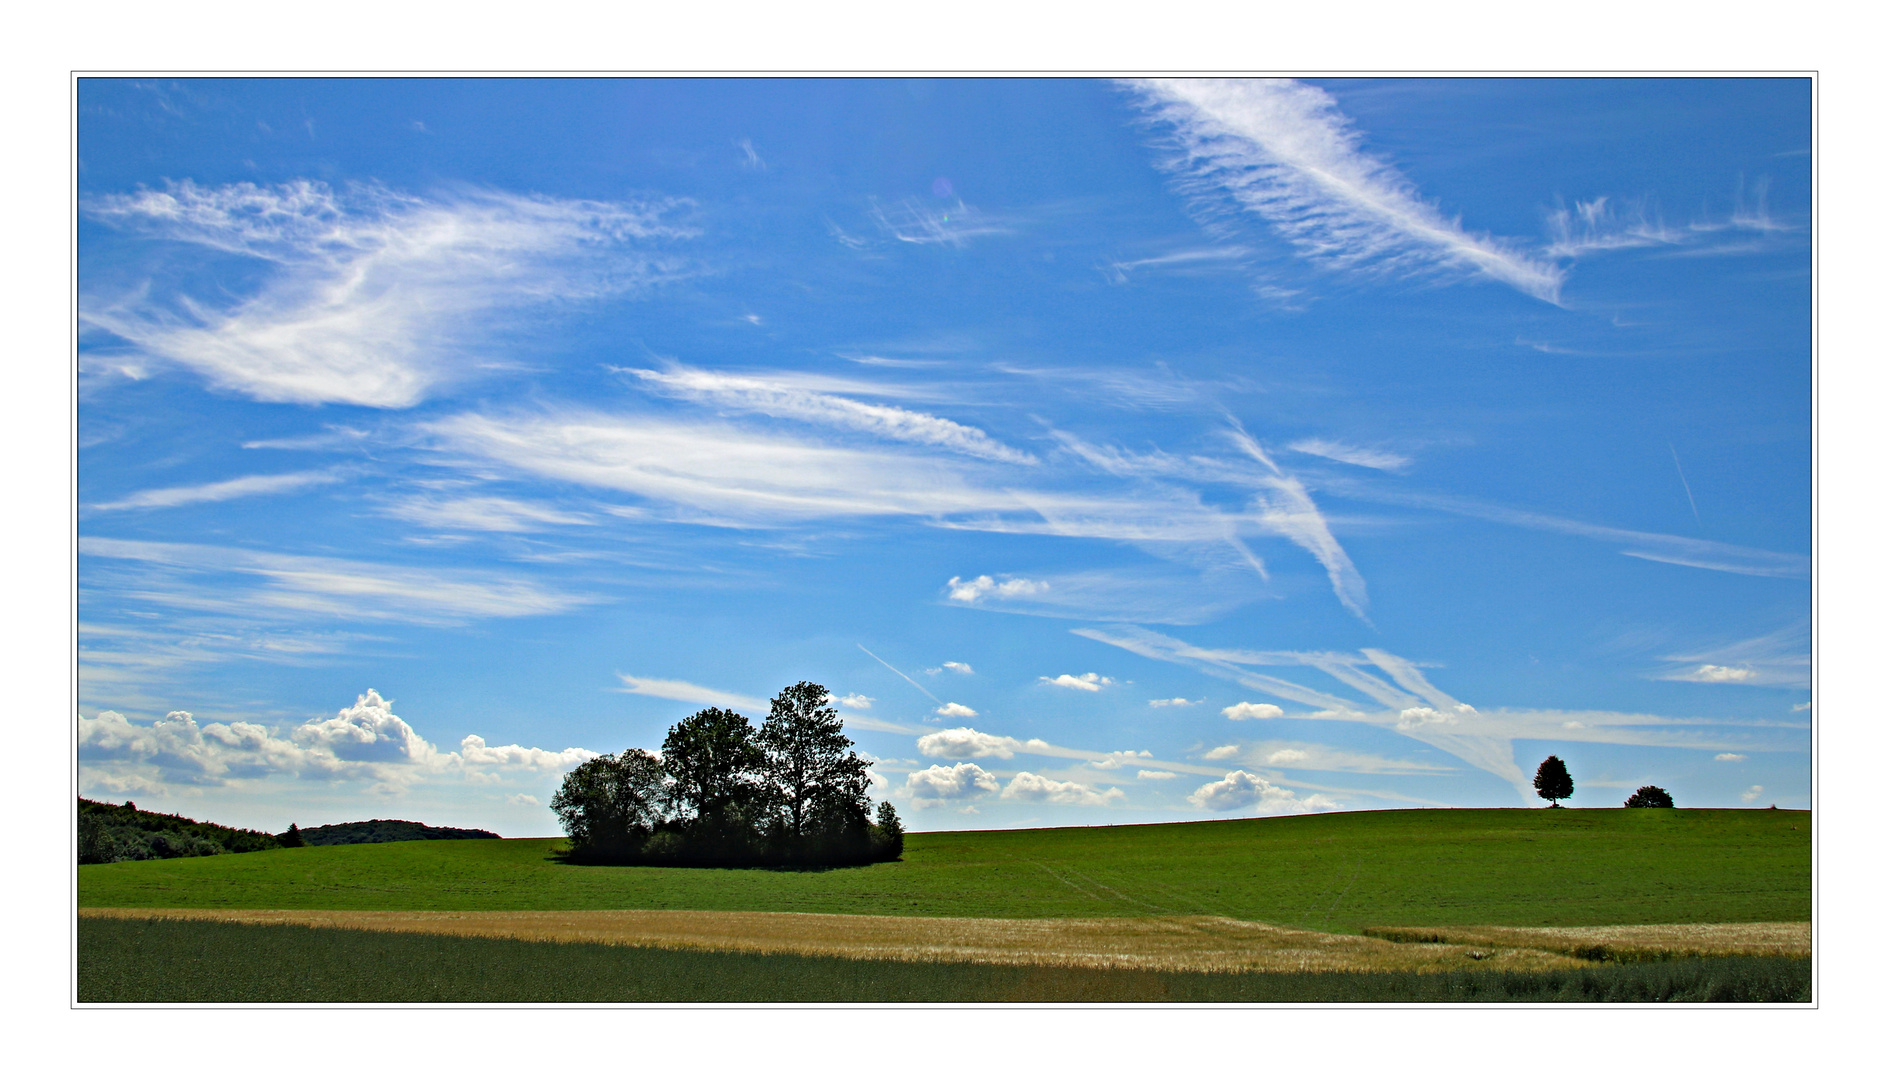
(1552, 781)
(1652, 797)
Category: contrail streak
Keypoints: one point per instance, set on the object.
(899, 673)
(1682, 483)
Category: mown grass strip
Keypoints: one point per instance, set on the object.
(172, 960)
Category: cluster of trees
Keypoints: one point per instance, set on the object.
(115, 832)
(723, 793)
(1553, 783)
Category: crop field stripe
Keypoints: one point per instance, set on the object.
(177, 960)
(1191, 943)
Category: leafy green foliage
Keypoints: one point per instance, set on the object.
(109, 832)
(154, 960)
(1552, 781)
(386, 831)
(725, 794)
(1650, 796)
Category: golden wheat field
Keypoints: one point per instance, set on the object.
(1186, 943)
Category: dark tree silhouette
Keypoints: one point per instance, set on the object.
(714, 773)
(889, 832)
(818, 785)
(611, 804)
(292, 838)
(1650, 796)
(1552, 781)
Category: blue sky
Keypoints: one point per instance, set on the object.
(1116, 451)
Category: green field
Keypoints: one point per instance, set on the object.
(159, 960)
(1338, 872)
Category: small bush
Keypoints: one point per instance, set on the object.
(1651, 797)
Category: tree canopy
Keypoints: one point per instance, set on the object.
(1650, 796)
(724, 793)
(1552, 781)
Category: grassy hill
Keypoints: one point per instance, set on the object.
(1336, 872)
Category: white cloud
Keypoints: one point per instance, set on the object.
(1413, 718)
(1802, 706)
(1091, 682)
(1029, 787)
(304, 584)
(222, 490)
(952, 708)
(958, 668)
(940, 784)
(916, 223)
(1173, 702)
(1247, 710)
(365, 742)
(1288, 756)
(971, 743)
(983, 585)
(1752, 793)
(783, 399)
(1718, 673)
(677, 690)
(1241, 789)
(856, 701)
(1282, 151)
(1120, 758)
(373, 297)
(1154, 774)
(522, 799)
(1596, 226)
(1352, 455)
(481, 513)
(1221, 753)
(1729, 757)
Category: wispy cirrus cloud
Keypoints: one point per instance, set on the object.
(1282, 151)
(1414, 707)
(187, 575)
(1333, 450)
(677, 690)
(783, 399)
(956, 224)
(1780, 658)
(220, 491)
(370, 296)
(480, 513)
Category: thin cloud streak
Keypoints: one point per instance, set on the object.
(677, 690)
(220, 491)
(1282, 151)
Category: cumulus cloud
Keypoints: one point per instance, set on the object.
(1722, 673)
(1241, 789)
(952, 708)
(1154, 774)
(1091, 682)
(1288, 756)
(1422, 716)
(941, 784)
(856, 701)
(1029, 787)
(958, 668)
(969, 742)
(1120, 758)
(1247, 710)
(370, 296)
(968, 592)
(365, 742)
(1752, 793)
(1168, 703)
(1729, 757)
(1221, 753)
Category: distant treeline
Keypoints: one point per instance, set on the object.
(384, 831)
(120, 832)
(722, 793)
